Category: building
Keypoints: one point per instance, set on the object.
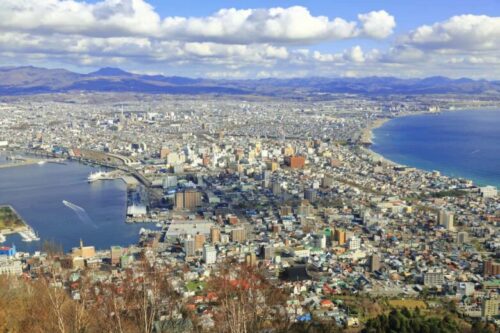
(215, 235)
(10, 267)
(310, 195)
(189, 247)
(489, 191)
(164, 151)
(251, 259)
(354, 243)
(490, 308)
(83, 251)
(462, 237)
(434, 278)
(446, 220)
(276, 187)
(267, 252)
(238, 235)
(187, 199)
(327, 181)
(116, 253)
(199, 241)
(295, 162)
(339, 236)
(320, 241)
(491, 268)
(374, 262)
(209, 254)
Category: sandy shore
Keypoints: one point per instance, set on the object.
(367, 134)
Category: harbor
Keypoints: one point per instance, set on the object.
(11, 222)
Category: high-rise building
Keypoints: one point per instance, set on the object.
(490, 308)
(462, 237)
(164, 152)
(199, 241)
(295, 162)
(215, 235)
(327, 181)
(267, 252)
(339, 236)
(354, 243)
(187, 199)
(320, 241)
(116, 253)
(276, 187)
(251, 259)
(238, 234)
(189, 247)
(374, 262)
(209, 254)
(491, 268)
(446, 220)
(434, 278)
(285, 210)
(310, 195)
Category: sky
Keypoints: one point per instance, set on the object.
(245, 39)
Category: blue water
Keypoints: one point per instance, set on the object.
(37, 191)
(459, 144)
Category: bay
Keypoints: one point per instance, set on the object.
(463, 143)
(37, 191)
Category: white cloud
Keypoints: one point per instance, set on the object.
(459, 33)
(132, 18)
(377, 24)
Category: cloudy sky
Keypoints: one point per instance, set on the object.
(256, 39)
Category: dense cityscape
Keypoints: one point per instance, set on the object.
(249, 166)
(287, 192)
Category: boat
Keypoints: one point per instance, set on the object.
(41, 162)
(72, 205)
(2, 238)
(96, 176)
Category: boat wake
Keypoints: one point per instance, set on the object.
(81, 213)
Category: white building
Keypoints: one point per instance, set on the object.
(354, 243)
(10, 267)
(209, 254)
(320, 241)
(489, 191)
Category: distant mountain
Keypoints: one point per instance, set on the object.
(110, 71)
(33, 80)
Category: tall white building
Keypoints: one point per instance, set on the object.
(209, 254)
(320, 241)
(354, 243)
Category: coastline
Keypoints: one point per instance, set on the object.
(368, 132)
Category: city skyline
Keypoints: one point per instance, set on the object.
(252, 39)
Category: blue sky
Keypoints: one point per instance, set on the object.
(253, 39)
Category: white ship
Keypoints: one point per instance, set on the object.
(2, 238)
(96, 176)
(72, 205)
(41, 162)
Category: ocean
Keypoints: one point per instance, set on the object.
(462, 143)
(37, 193)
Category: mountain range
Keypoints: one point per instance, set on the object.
(35, 80)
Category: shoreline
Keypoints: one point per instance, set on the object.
(366, 147)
